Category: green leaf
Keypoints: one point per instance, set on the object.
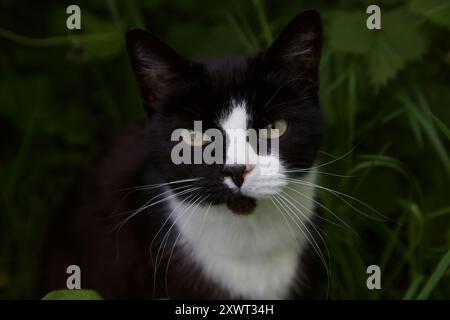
(423, 117)
(441, 268)
(439, 213)
(384, 62)
(348, 33)
(437, 11)
(442, 127)
(262, 17)
(72, 295)
(387, 50)
(399, 40)
(403, 33)
(103, 38)
(100, 46)
(413, 287)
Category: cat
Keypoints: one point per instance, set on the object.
(210, 231)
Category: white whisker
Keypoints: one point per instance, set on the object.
(323, 207)
(285, 219)
(311, 238)
(154, 261)
(200, 200)
(148, 205)
(340, 196)
(157, 185)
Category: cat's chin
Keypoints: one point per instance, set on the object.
(241, 204)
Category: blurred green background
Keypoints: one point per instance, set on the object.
(385, 95)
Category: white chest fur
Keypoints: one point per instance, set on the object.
(253, 256)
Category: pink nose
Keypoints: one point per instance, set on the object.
(237, 172)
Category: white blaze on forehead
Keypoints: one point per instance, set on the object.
(236, 118)
(239, 151)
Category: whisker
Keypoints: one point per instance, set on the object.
(281, 87)
(334, 160)
(148, 205)
(167, 234)
(286, 202)
(339, 195)
(285, 219)
(323, 207)
(319, 172)
(311, 238)
(206, 215)
(308, 209)
(147, 202)
(147, 187)
(157, 185)
(287, 102)
(154, 261)
(200, 201)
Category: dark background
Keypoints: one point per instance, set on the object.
(385, 94)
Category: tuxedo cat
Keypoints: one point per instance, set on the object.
(145, 227)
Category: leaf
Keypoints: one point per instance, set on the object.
(403, 33)
(398, 41)
(437, 11)
(441, 125)
(384, 63)
(434, 279)
(423, 117)
(72, 295)
(348, 33)
(413, 287)
(387, 50)
(103, 38)
(439, 213)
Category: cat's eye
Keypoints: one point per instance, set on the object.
(275, 129)
(194, 138)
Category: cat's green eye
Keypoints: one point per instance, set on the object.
(194, 138)
(275, 129)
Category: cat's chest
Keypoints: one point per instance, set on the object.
(253, 256)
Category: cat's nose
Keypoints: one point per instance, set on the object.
(237, 172)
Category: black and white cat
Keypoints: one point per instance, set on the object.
(205, 230)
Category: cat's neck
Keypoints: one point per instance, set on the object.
(251, 256)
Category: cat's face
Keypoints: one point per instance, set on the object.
(276, 88)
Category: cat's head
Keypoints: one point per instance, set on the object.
(275, 88)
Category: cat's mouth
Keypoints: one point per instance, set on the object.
(241, 204)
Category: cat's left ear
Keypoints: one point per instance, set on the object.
(157, 67)
(298, 47)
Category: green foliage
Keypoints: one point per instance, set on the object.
(72, 295)
(437, 11)
(441, 268)
(346, 34)
(107, 44)
(64, 95)
(387, 50)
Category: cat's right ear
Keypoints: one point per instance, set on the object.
(156, 65)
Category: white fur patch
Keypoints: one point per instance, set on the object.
(253, 256)
(239, 151)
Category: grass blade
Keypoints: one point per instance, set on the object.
(441, 268)
(413, 287)
(266, 31)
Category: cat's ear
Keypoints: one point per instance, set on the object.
(298, 47)
(157, 66)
